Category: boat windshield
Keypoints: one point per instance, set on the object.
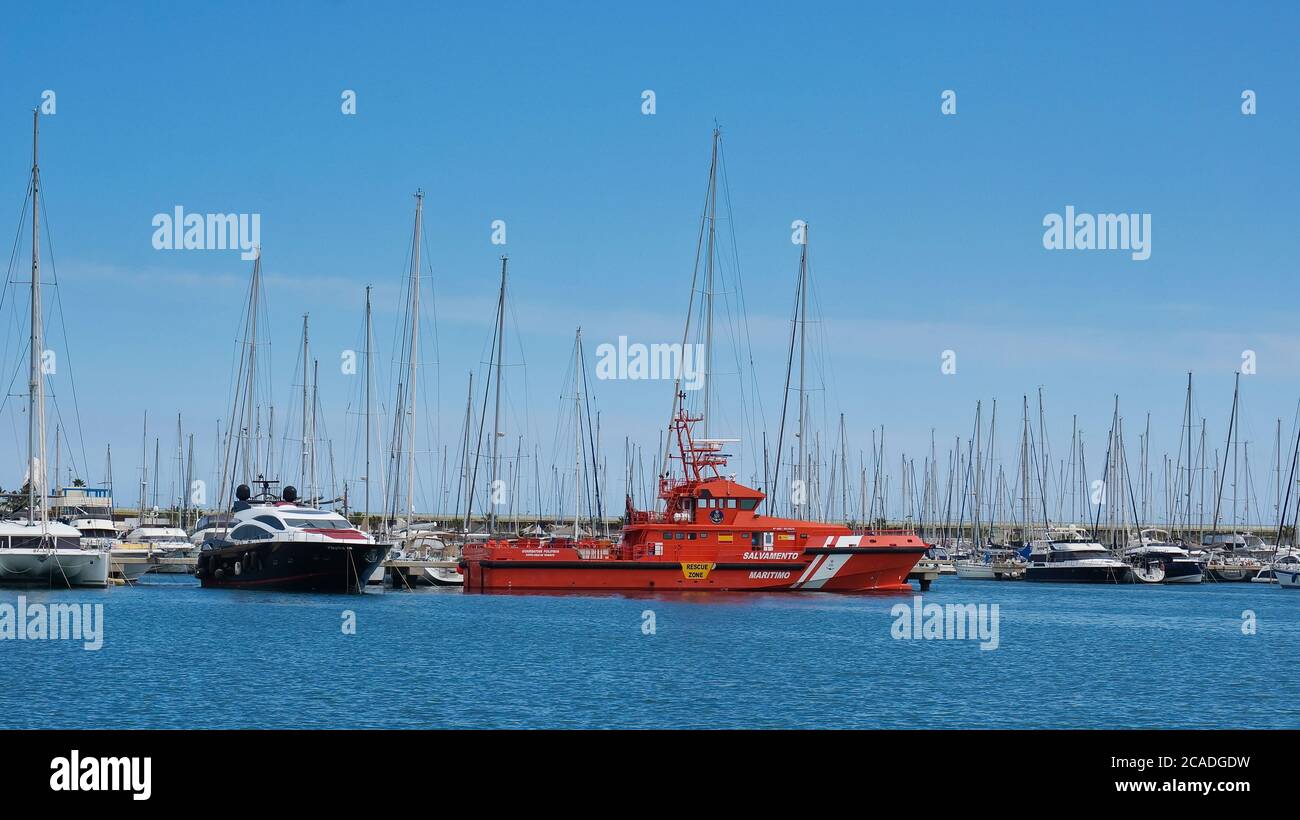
(318, 523)
(1079, 555)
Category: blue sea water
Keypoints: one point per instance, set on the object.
(177, 656)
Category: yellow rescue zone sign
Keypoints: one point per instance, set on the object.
(696, 572)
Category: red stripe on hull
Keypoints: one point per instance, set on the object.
(879, 571)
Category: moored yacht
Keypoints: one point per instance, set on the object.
(131, 561)
(1176, 563)
(1287, 577)
(96, 531)
(1272, 573)
(210, 526)
(994, 563)
(128, 561)
(942, 560)
(1228, 568)
(1154, 549)
(1086, 562)
(274, 543)
(420, 543)
(163, 541)
(49, 553)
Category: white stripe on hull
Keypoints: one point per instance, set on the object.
(832, 565)
(812, 565)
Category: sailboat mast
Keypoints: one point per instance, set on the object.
(1232, 422)
(179, 475)
(189, 480)
(978, 482)
(1189, 451)
(108, 478)
(708, 280)
(369, 381)
(36, 386)
(306, 344)
(250, 390)
(577, 431)
(496, 417)
(803, 359)
(415, 353)
(1024, 472)
(1044, 474)
(270, 439)
(315, 372)
(144, 468)
(466, 478)
(157, 459)
(844, 470)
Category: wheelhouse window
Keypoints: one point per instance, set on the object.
(749, 504)
(321, 524)
(271, 521)
(1078, 555)
(248, 532)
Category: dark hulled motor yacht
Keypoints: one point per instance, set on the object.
(273, 543)
(1176, 564)
(1085, 562)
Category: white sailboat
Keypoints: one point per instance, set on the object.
(33, 548)
(414, 541)
(1288, 577)
(152, 535)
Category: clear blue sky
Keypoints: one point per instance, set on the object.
(927, 229)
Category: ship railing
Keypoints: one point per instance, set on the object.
(642, 517)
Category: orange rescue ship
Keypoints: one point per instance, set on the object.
(709, 536)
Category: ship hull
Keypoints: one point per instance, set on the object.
(1229, 573)
(1288, 578)
(297, 566)
(56, 568)
(1183, 572)
(860, 570)
(1081, 574)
